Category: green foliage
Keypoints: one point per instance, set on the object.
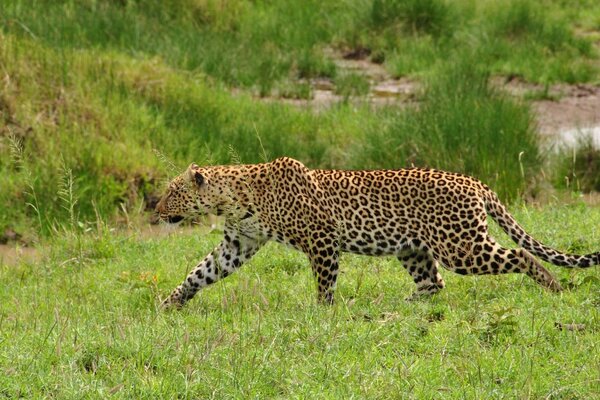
(416, 56)
(257, 44)
(517, 19)
(525, 20)
(102, 124)
(240, 43)
(92, 88)
(103, 121)
(295, 90)
(101, 101)
(520, 36)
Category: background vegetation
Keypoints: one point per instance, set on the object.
(94, 87)
(102, 101)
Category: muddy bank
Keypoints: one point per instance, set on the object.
(573, 115)
(575, 106)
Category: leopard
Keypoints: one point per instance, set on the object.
(428, 219)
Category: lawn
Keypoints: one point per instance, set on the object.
(83, 323)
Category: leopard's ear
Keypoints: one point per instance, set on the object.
(194, 174)
(198, 178)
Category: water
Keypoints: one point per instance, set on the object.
(572, 136)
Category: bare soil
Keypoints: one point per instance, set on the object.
(575, 113)
(561, 107)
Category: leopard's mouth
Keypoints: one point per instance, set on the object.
(173, 219)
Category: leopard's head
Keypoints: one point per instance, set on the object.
(187, 195)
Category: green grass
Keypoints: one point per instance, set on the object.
(351, 84)
(102, 115)
(578, 167)
(95, 87)
(518, 38)
(82, 323)
(429, 17)
(257, 44)
(521, 36)
(102, 101)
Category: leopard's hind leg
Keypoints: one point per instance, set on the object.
(491, 258)
(423, 268)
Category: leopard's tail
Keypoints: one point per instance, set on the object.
(508, 223)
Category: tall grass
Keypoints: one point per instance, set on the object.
(520, 37)
(463, 124)
(258, 44)
(578, 168)
(414, 16)
(525, 38)
(242, 44)
(66, 122)
(103, 121)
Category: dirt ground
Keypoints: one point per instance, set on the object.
(578, 106)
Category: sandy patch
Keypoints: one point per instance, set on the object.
(11, 254)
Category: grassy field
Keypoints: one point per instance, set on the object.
(83, 323)
(102, 101)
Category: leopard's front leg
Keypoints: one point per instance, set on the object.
(323, 253)
(234, 250)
